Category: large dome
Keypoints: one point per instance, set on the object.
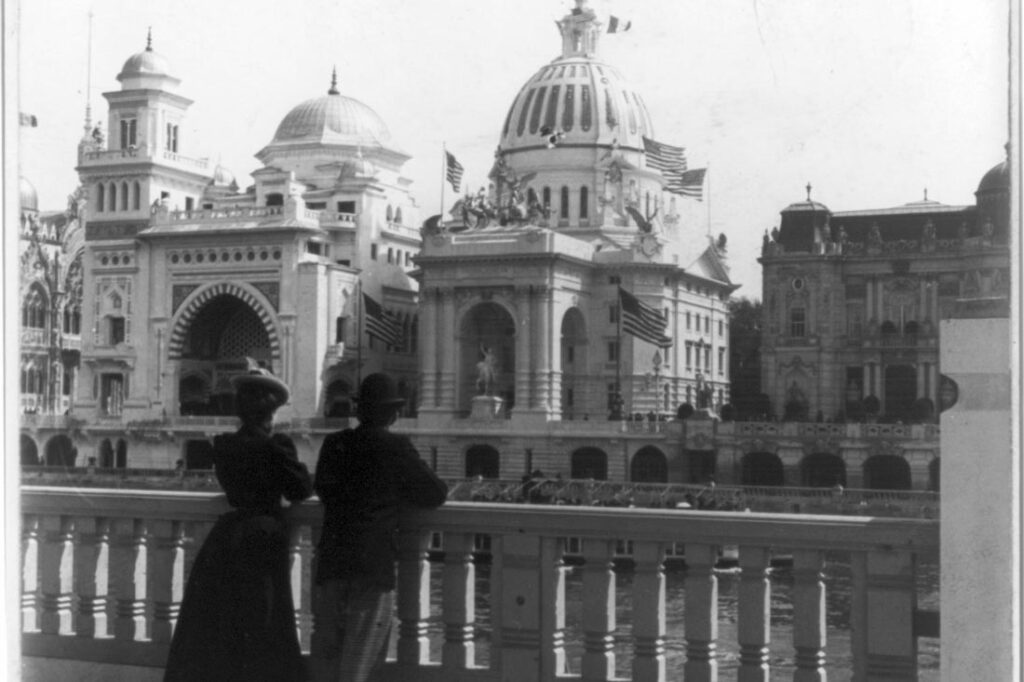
(145, 63)
(333, 119)
(996, 179)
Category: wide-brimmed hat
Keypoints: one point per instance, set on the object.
(378, 390)
(260, 377)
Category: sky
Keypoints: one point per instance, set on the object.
(872, 102)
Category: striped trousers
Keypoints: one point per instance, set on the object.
(353, 623)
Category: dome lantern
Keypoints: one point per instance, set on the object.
(581, 31)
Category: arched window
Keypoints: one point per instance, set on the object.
(389, 213)
(584, 202)
(524, 113)
(398, 215)
(101, 192)
(112, 203)
(538, 107)
(568, 106)
(33, 311)
(564, 204)
(547, 198)
(549, 115)
(124, 196)
(136, 196)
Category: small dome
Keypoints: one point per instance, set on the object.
(997, 179)
(333, 119)
(222, 177)
(145, 63)
(806, 206)
(28, 199)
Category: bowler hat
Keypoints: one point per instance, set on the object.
(259, 377)
(378, 390)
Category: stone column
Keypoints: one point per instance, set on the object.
(554, 359)
(428, 348)
(542, 349)
(524, 354)
(446, 376)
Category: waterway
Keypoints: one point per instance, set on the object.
(838, 594)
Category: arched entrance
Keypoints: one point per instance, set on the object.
(900, 392)
(822, 470)
(484, 461)
(649, 465)
(487, 339)
(933, 474)
(198, 454)
(60, 452)
(220, 334)
(106, 454)
(338, 399)
(762, 468)
(589, 463)
(121, 454)
(574, 365)
(29, 451)
(887, 472)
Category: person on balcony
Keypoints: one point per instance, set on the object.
(237, 620)
(365, 477)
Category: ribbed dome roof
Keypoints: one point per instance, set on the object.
(28, 198)
(996, 179)
(333, 119)
(811, 206)
(222, 177)
(145, 63)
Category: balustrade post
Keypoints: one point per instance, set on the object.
(166, 575)
(30, 574)
(459, 601)
(128, 563)
(552, 615)
(809, 616)
(92, 575)
(57, 577)
(518, 604)
(598, 610)
(882, 619)
(413, 598)
(300, 550)
(754, 625)
(701, 620)
(649, 612)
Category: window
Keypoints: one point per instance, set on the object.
(112, 201)
(172, 137)
(538, 105)
(720, 328)
(563, 206)
(275, 199)
(190, 203)
(707, 358)
(584, 203)
(124, 196)
(689, 351)
(687, 322)
(547, 198)
(339, 329)
(613, 395)
(613, 351)
(112, 390)
(797, 322)
(707, 324)
(391, 255)
(721, 360)
(128, 129)
(115, 333)
(373, 252)
(613, 313)
(855, 319)
(614, 279)
(346, 207)
(100, 197)
(137, 196)
(33, 311)
(73, 319)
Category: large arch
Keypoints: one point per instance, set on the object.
(762, 469)
(29, 451)
(649, 465)
(487, 329)
(822, 470)
(199, 299)
(887, 472)
(589, 462)
(574, 364)
(484, 461)
(60, 451)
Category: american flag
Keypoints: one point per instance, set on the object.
(688, 183)
(642, 321)
(380, 323)
(664, 157)
(453, 171)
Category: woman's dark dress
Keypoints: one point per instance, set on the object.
(237, 620)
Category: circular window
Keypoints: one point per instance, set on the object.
(127, 260)
(200, 258)
(277, 255)
(238, 255)
(225, 256)
(213, 257)
(104, 260)
(798, 283)
(263, 255)
(250, 256)
(187, 257)
(174, 258)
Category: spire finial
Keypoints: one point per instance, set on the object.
(808, 191)
(149, 39)
(334, 82)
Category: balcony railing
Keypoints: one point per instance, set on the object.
(103, 575)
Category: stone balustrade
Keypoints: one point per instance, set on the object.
(103, 575)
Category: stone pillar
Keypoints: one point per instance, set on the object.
(524, 354)
(981, 507)
(554, 360)
(428, 346)
(542, 349)
(446, 376)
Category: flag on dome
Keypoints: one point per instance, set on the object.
(642, 321)
(688, 183)
(380, 323)
(453, 171)
(664, 157)
(617, 25)
(28, 120)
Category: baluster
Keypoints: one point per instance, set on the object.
(30, 575)
(516, 596)
(167, 576)
(809, 616)
(413, 598)
(300, 549)
(598, 610)
(701, 620)
(57, 557)
(649, 612)
(459, 601)
(754, 627)
(128, 562)
(882, 620)
(552, 603)
(92, 572)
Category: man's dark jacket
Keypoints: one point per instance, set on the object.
(365, 477)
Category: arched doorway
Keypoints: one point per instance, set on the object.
(487, 335)
(484, 461)
(649, 465)
(338, 399)
(106, 454)
(900, 392)
(121, 454)
(762, 468)
(574, 365)
(198, 454)
(822, 470)
(29, 451)
(703, 465)
(60, 452)
(887, 472)
(589, 463)
(933, 474)
(222, 333)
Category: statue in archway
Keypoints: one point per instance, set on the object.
(486, 370)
